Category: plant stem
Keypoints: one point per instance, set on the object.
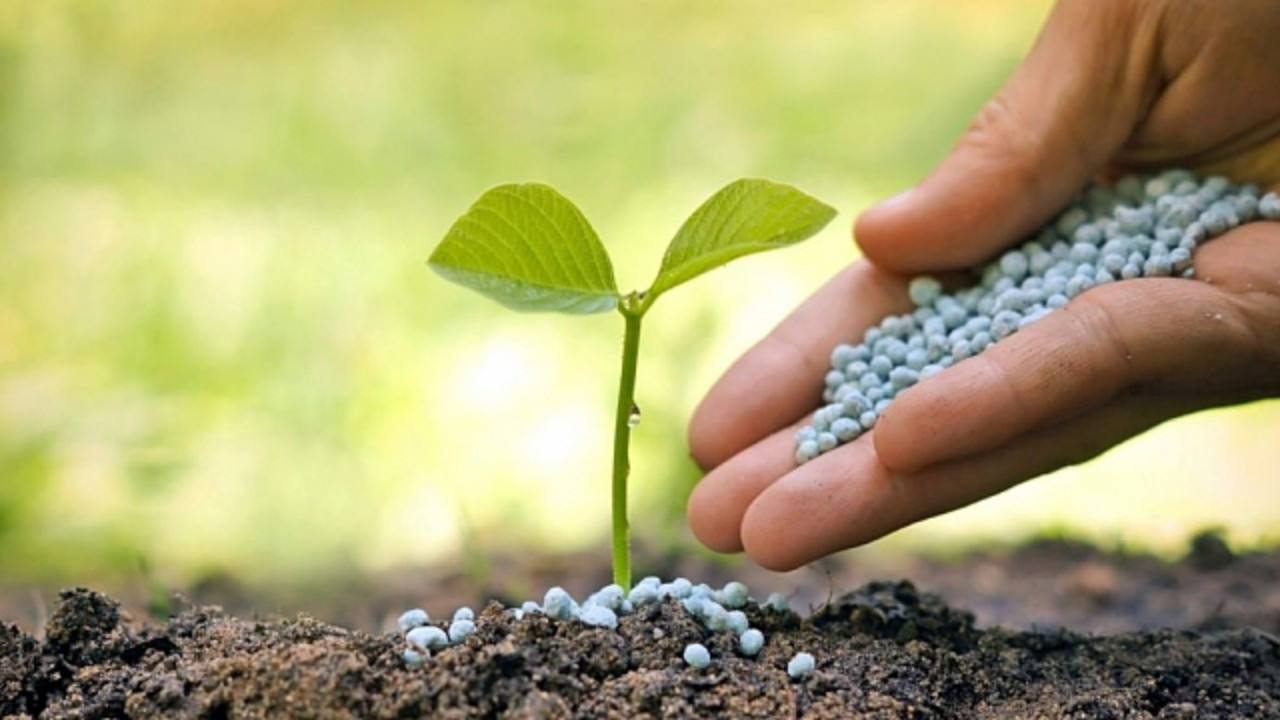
(632, 309)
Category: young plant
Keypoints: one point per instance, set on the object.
(529, 248)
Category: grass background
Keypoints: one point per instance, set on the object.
(221, 350)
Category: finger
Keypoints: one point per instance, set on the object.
(781, 377)
(846, 498)
(1160, 333)
(1065, 112)
(1080, 357)
(1239, 272)
(721, 498)
(1200, 122)
(1243, 261)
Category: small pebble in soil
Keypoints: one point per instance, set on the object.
(1142, 227)
(800, 665)
(751, 642)
(463, 613)
(697, 655)
(414, 658)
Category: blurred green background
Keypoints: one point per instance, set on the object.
(221, 349)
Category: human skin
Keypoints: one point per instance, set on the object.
(1109, 87)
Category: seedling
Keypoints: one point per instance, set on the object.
(531, 249)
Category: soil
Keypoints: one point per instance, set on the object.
(1197, 638)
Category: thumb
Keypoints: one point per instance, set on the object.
(1064, 114)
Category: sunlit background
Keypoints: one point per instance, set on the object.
(221, 349)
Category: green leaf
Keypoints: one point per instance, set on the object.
(530, 249)
(744, 217)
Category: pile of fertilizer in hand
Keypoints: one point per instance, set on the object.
(1142, 227)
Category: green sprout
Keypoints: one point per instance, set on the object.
(529, 248)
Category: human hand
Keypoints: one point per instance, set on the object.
(1108, 87)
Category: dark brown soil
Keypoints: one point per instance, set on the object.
(884, 650)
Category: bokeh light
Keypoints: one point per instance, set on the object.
(221, 349)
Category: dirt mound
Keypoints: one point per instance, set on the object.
(885, 650)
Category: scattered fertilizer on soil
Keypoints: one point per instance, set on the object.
(884, 651)
(716, 610)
